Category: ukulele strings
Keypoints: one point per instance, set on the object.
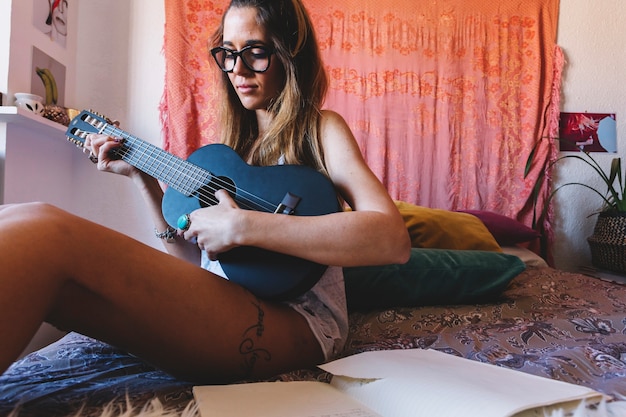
(245, 198)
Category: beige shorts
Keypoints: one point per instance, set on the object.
(324, 308)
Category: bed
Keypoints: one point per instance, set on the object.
(555, 324)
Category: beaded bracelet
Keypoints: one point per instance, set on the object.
(169, 234)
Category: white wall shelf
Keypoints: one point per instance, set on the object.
(26, 119)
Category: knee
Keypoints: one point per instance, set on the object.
(30, 214)
(34, 209)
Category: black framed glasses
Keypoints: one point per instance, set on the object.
(255, 57)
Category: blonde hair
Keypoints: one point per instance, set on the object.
(294, 132)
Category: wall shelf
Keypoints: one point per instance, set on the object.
(26, 119)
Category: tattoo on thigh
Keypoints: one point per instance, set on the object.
(247, 348)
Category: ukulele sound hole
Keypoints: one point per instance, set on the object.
(206, 194)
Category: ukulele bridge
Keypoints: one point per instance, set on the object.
(288, 205)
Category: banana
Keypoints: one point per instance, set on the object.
(53, 83)
(46, 82)
(52, 94)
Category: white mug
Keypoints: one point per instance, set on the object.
(31, 102)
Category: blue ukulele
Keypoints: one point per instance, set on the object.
(192, 183)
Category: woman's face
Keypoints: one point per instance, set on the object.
(256, 90)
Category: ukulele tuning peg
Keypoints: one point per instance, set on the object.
(75, 142)
(106, 119)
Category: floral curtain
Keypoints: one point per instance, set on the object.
(446, 98)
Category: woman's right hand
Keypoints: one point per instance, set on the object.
(102, 147)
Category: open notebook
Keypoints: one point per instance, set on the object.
(398, 383)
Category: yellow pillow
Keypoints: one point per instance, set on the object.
(443, 229)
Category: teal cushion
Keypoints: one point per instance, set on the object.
(430, 277)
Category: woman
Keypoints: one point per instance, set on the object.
(184, 319)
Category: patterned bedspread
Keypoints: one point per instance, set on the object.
(550, 323)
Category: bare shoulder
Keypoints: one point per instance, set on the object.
(337, 138)
(330, 115)
(333, 120)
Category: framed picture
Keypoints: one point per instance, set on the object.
(589, 132)
(50, 16)
(52, 81)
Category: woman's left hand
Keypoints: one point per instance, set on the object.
(214, 228)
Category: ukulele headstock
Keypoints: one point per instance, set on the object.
(85, 123)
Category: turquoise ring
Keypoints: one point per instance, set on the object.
(183, 222)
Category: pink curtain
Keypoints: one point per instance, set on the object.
(446, 98)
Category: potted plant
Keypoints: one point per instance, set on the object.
(608, 241)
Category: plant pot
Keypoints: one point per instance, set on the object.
(608, 242)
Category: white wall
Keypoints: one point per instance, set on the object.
(592, 35)
(120, 73)
(5, 33)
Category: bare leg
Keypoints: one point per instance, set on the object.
(80, 276)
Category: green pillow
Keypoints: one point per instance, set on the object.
(430, 277)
